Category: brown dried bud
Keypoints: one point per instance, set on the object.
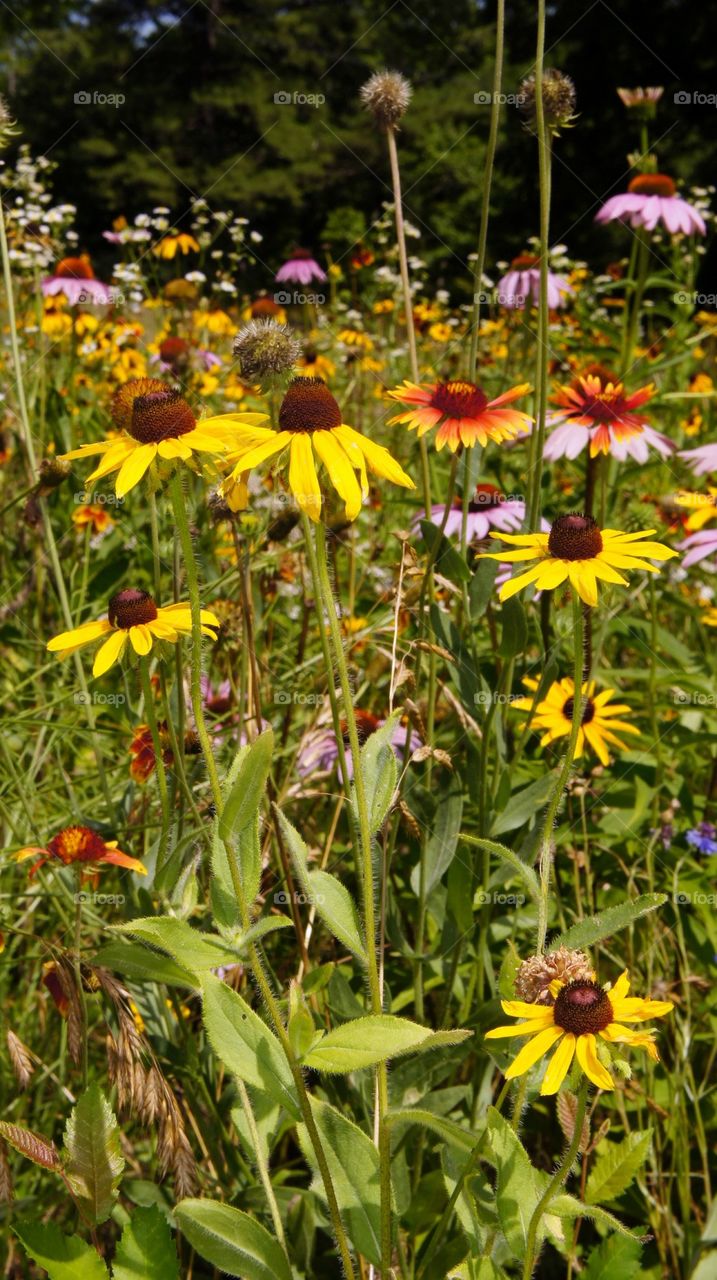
(559, 100)
(534, 976)
(387, 95)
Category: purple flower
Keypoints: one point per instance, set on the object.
(703, 837)
(488, 509)
(520, 287)
(702, 460)
(649, 199)
(698, 546)
(75, 278)
(300, 268)
(319, 750)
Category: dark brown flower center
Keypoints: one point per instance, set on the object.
(366, 724)
(75, 269)
(303, 254)
(588, 710)
(583, 1008)
(525, 260)
(160, 415)
(309, 406)
(486, 498)
(263, 308)
(575, 537)
(459, 399)
(652, 184)
(130, 608)
(125, 396)
(76, 844)
(174, 350)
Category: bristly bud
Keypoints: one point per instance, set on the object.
(534, 976)
(52, 472)
(386, 94)
(8, 126)
(264, 349)
(559, 100)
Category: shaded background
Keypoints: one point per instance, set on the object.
(199, 78)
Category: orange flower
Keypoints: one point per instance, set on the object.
(95, 515)
(464, 411)
(80, 845)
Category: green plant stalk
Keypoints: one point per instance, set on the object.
(262, 1166)
(545, 862)
(491, 147)
(190, 566)
(557, 1180)
(81, 996)
(160, 767)
(367, 878)
(541, 378)
(638, 293)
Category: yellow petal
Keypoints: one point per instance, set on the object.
(523, 1009)
(514, 585)
(69, 640)
(340, 471)
(559, 1065)
(532, 1051)
(141, 639)
(591, 1064)
(303, 480)
(518, 1029)
(110, 652)
(134, 467)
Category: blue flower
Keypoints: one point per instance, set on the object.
(703, 837)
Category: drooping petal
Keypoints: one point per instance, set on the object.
(532, 1051)
(141, 639)
(559, 1065)
(120, 859)
(134, 467)
(340, 470)
(591, 1064)
(110, 652)
(303, 480)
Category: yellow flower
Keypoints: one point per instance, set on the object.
(704, 507)
(311, 428)
(554, 715)
(354, 338)
(577, 551)
(132, 615)
(709, 617)
(156, 423)
(582, 1011)
(383, 307)
(169, 246)
(440, 332)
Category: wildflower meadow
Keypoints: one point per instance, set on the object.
(358, 773)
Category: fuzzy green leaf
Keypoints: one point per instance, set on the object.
(146, 1250)
(380, 773)
(353, 1163)
(617, 1258)
(193, 950)
(447, 1130)
(133, 960)
(95, 1162)
(238, 825)
(333, 902)
(442, 842)
(244, 1043)
(616, 1166)
(525, 872)
(587, 932)
(232, 1241)
(376, 1038)
(63, 1257)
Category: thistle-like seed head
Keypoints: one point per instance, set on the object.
(559, 100)
(534, 976)
(264, 348)
(386, 94)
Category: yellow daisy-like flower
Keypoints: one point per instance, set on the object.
(169, 246)
(554, 716)
(156, 423)
(132, 616)
(311, 428)
(581, 1012)
(577, 551)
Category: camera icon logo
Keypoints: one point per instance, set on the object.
(282, 698)
(82, 98)
(483, 98)
(283, 298)
(682, 98)
(282, 98)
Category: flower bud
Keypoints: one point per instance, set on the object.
(263, 348)
(558, 101)
(386, 95)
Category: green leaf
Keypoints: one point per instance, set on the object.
(518, 1185)
(565, 1206)
(514, 637)
(354, 1166)
(380, 773)
(526, 873)
(146, 1250)
(238, 825)
(525, 804)
(133, 960)
(244, 1043)
(63, 1257)
(595, 928)
(447, 1130)
(482, 587)
(447, 560)
(232, 1241)
(95, 1161)
(442, 842)
(193, 950)
(376, 1038)
(617, 1258)
(333, 902)
(616, 1166)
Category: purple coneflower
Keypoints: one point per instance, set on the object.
(75, 278)
(520, 286)
(300, 268)
(702, 460)
(651, 198)
(319, 750)
(488, 509)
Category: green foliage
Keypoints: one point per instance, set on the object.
(616, 1165)
(146, 1249)
(231, 1240)
(63, 1257)
(94, 1161)
(353, 1163)
(244, 1043)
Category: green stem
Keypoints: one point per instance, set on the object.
(81, 997)
(541, 379)
(556, 1181)
(160, 768)
(546, 842)
(487, 181)
(262, 1166)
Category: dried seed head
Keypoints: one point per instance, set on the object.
(52, 472)
(386, 94)
(533, 979)
(20, 1059)
(264, 347)
(558, 100)
(309, 406)
(8, 128)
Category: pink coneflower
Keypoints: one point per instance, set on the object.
(300, 268)
(319, 750)
(650, 198)
(488, 509)
(75, 278)
(520, 287)
(594, 411)
(702, 460)
(698, 546)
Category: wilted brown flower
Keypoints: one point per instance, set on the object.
(558, 100)
(386, 94)
(533, 979)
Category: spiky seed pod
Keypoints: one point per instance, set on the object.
(534, 976)
(559, 99)
(387, 94)
(265, 349)
(8, 127)
(20, 1059)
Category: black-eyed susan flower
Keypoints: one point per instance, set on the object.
(553, 716)
(312, 430)
(132, 616)
(156, 423)
(169, 246)
(78, 844)
(578, 551)
(582, 1011)
(464, 411)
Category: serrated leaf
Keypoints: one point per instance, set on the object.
(195, 951)
(565, 1206)
(354, 1166)
(63, 1257)
(617, 1258)
(244, 1043)
(616, 1166)
(94, 1158)
(365, 1041)
(525, 872)
(587, 932)
(146, 1249)
(232, 1241)
(379, 768)
(333, 902)
(32, 1145)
